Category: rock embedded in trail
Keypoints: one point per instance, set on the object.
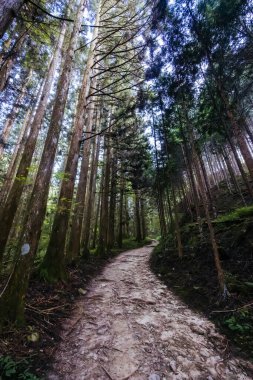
(135, 328)
(154, 377)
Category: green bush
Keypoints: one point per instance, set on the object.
(12, 370)
(241, 322)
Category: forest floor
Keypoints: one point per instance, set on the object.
(129, 325)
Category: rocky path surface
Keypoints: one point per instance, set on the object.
(130, 326)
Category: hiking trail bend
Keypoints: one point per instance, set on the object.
(129, 325)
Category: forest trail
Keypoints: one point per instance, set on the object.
(130, 326)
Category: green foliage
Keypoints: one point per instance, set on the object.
(15, 370)
(242, 212)
(62, 176)
(240, 322)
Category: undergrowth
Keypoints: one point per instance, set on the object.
(242, 212)
(15, 370)
(194, 279)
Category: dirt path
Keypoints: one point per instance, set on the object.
(130, 326)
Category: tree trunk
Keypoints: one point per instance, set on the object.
(247, 156)
(55, 255)
(177, 226)
(12, 298)
(126, 232)
(121, 200)
(94, 240)
(12, 168)
(207, 185)
(220, 273)
(14, 113)
(9, 58)
(104, 210)
(211, 169)
(91, 197)
(137, 216)
(112, 205)
(7, 212)
(143, 220)
(8, 11)
(160, 203)
(232, 174)
(239, 164)
(76, 228)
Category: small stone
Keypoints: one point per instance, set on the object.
(173, 366)
(154, 376)
(34, 337)
(82, 291)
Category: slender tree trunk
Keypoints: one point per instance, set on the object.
(160, 203)
(104, 211)
(91, 198)
(232, 174)
(192, 179)
(126, 233)
(207, 185)
(14, 113)
(143, 220)
(54, 260)
(7, 212)
(112, 206)
(220, 163)
(239, 164)
(95, 232)
(214, 175)
(186, 198)
(137, 215)
(121, 200)
(12, 298)
(8, 11)
(76, 228)
(220, 273)
(242, 143)
(177, 226)
(247, 129)
(247, 156)
(12, 169)
(7, 62)
(19, 148)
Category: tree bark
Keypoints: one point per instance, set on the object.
(7, 212)
(95, 231)
(91, 197)
(12, 298)
(78, 212)
(14, 113)
(12, 168)
(121, 200)
(143, 220)
(104, 210)
(220, 273)
(239, 164)
(9, 58)
(55, 255)
(137, 216)
(8, 11)
(177, 226)
(112, 205)
(232, 174)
